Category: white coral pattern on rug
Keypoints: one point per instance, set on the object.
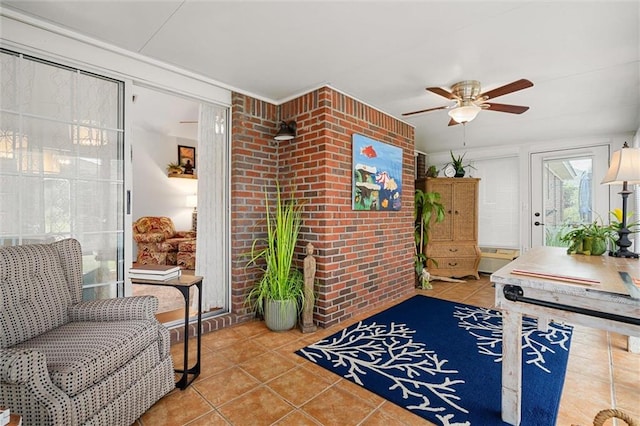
(390, 351)
(486, 326)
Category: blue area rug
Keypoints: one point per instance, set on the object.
(442, 361)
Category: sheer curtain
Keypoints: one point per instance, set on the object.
(61, 164)
(212, 254)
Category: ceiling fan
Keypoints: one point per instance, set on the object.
(469, 100)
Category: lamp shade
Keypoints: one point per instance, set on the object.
(287, 131)
(192, 200)
(464, 113)
(624, 167)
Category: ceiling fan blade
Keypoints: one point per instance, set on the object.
(424, 110)
(440, 91)
(507, 88)
(453, 122)
(512, 109)
(188, 121)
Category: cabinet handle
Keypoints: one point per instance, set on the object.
(449, 211)
(453, 250)
(457, 212)
(453, 264)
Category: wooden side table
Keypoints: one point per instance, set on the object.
(184, 284)
(546, 283)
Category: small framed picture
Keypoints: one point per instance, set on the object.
(187, 158)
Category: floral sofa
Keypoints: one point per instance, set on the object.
(68, 362)
(160, 244)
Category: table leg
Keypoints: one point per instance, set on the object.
(195, 370)
(511, 366)
(182, 383)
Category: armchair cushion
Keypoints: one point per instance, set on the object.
(32, 276)
(80, 354)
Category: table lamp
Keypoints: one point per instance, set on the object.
(192, 201)
(624, 169)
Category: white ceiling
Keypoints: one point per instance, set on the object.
(582, 56)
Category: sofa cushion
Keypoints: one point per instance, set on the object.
(34, 293)
(81, 354)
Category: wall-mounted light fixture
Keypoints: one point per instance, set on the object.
(624, 169)
(287, 131)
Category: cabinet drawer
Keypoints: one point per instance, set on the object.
(449, 265)
(452, 250)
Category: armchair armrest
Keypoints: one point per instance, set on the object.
(117, 309)
(152, 237)
(185, 234)
(28, 368)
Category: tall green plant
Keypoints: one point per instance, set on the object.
(280, 280)
(427, 205)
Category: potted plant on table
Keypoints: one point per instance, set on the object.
(589, 238)
(279, 293)
(427, 205)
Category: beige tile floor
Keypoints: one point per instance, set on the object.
(250, 376)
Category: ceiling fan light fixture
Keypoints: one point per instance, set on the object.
(464, 113)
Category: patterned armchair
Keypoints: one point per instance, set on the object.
(68, 362)
(160, 244)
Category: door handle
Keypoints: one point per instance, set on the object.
(536, 223)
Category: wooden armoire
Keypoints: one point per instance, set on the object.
(453, 243)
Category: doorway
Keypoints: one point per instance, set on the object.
(566, 191)
(164, 124)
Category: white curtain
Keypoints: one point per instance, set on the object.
(212, 254)
(61, 164)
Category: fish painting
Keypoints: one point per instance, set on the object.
(368, 152)
(377, 174)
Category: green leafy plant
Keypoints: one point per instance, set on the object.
(589, 238)
(458, 163)
(273, 254)
(427, 208)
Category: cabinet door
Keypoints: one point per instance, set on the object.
(442, 231)
(465, 212)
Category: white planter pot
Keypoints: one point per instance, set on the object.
(280, 315)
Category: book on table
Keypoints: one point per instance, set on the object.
(155, 272)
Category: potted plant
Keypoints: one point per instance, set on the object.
(427, 207)
(458, 164)
(174, 169)
(279, 293)
(589, 238)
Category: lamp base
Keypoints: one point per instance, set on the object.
(624, 253)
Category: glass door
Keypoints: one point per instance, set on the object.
(565, 191)
(61, 164)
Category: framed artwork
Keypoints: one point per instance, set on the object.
(187, 158)
(377, 175)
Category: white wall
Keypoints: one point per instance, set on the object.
(154, 193)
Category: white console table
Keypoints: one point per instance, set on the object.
(548, 284)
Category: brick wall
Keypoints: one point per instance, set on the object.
(363, 258)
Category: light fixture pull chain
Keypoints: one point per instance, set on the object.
(464, 134)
